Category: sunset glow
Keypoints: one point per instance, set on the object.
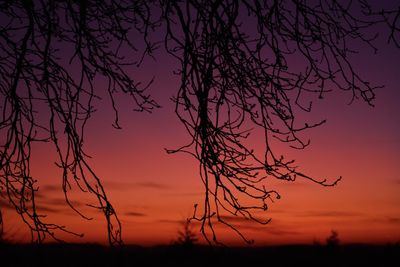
(154, 192)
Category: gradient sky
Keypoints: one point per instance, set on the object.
(154, 192)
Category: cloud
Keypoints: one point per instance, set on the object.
(41, 193)
(5, 204)
(41, 207)
(169, 221)
(134, 214)
(178, 222)
(269, 228)
(331, 214)
(151, 185)
(241, 224)
(183, 194)
(240, 219)
(50, 188)
(128, 186)
(61, 202)
(279, 232)
(48, 209)
(394, 220)
(231, 218)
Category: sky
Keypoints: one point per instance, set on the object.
(154, 192)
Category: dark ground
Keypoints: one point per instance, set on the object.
(95, 255)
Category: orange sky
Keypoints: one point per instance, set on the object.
(155, 192)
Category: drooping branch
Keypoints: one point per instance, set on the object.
(248, 66)
(51, 55)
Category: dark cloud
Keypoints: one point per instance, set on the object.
(41, 208)
(178, 222)
(61, 202)
(42, 192)
(394, 220)
(383, 220)
(234, 220)
(48, 209)
(169, 221)
(46, 190)
(243, 224)
(275, 231)
(60, 206)
(239, 219)
(134, 214)
(331, 214)
(182, 194)
(151, 185)
(269, 228)
(40, 195)
(276, 211)
(231, 218)
(50, 188)
(128, 186)
(5, 204)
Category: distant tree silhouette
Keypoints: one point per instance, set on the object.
(239, 73)
(333, 239)
(186, 237)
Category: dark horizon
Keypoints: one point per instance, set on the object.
(184, 255)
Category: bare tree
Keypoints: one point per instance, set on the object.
(51, 54)
(237, 76)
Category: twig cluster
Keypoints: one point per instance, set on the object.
(245, 66)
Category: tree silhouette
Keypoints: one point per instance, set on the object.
(186, 237)
(238, 75)
(333, 239)
(51, 54)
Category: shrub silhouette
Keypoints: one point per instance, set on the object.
(186, 236)
(333, 239)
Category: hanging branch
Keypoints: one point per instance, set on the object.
(51, 54)
(246, 67)
(239, 76)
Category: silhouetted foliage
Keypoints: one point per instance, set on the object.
(333, 239)
(186, 236)
(237, 76)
